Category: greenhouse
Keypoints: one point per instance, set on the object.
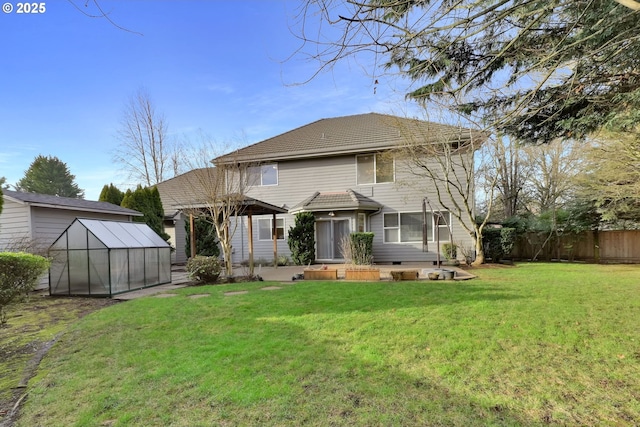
(103, 258)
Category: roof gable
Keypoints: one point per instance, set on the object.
(68, 203)
(336, 200)
(343, 135)
(186, 189)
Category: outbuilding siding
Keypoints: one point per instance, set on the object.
(14, 225)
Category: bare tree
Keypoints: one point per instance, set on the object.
(511, 175)
(217, 194)
(446, 156)
(145, 152)
(553, 168)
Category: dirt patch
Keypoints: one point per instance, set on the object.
(271, 288)
(166, 295)
(196, 296)
(236, 293)
(32, 328)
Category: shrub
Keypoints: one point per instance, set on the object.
(301, 239)
(508, 238)
(361, 248)
(19, 275)
(498, 242)
(204, 269)
(282, 260)
(450, 251)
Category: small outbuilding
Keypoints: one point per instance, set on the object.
(103, 258)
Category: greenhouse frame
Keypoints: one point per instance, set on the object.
(101, 258)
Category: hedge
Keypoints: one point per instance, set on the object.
(19, 275)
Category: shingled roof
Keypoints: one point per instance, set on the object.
(335, 201)
(184, 190)
(47, 201)
(343, 135)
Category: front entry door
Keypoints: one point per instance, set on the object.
(329, 235)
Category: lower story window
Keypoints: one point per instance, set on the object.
(406, 227)
(265, 229)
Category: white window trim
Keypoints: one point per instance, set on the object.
(261, 184)
(375, 167)
(270, 239)
(399, 228)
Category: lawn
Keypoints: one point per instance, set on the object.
(534, 344)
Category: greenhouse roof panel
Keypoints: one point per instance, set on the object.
(116, 234)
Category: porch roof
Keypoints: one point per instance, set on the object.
(336, 201)
(246, 206)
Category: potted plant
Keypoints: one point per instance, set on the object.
(357, 250)
(450, 252)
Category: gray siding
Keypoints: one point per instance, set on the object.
(178, 239)
(299, 179)
(49, 224)
(15, 230)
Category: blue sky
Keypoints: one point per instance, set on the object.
(218, 67)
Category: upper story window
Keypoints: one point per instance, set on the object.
(375, 168)
(262, 175)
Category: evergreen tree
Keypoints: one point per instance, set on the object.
(537, 70)
(147, 201)
(301, 239)
(206, 239)
(110, 193)
(49, 175)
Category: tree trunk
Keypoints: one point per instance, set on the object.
(479, 252)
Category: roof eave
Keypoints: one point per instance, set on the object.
(233, 158)
(75, 208)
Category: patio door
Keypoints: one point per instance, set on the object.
(329, 234)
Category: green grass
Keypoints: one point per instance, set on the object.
(31, 324)
(534, 344)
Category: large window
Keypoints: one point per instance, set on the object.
(263, 175)
(265, 228)
(375, 168)
(405, 227)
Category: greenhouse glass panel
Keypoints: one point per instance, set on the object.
(103, 230)
(76, 236)
(59, 277)
(119, 270)
(165, 266)
(60, 243)
(152, 275)
(136, 268)
(94, 242)
(151, 238)
(99, 271)
(78, 272)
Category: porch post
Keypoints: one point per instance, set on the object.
(250, 229)
(192, 237)
(275, 241)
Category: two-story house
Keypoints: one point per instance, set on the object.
(349, 172)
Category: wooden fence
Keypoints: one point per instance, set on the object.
(621, 246)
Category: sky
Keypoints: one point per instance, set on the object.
(227, 69)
